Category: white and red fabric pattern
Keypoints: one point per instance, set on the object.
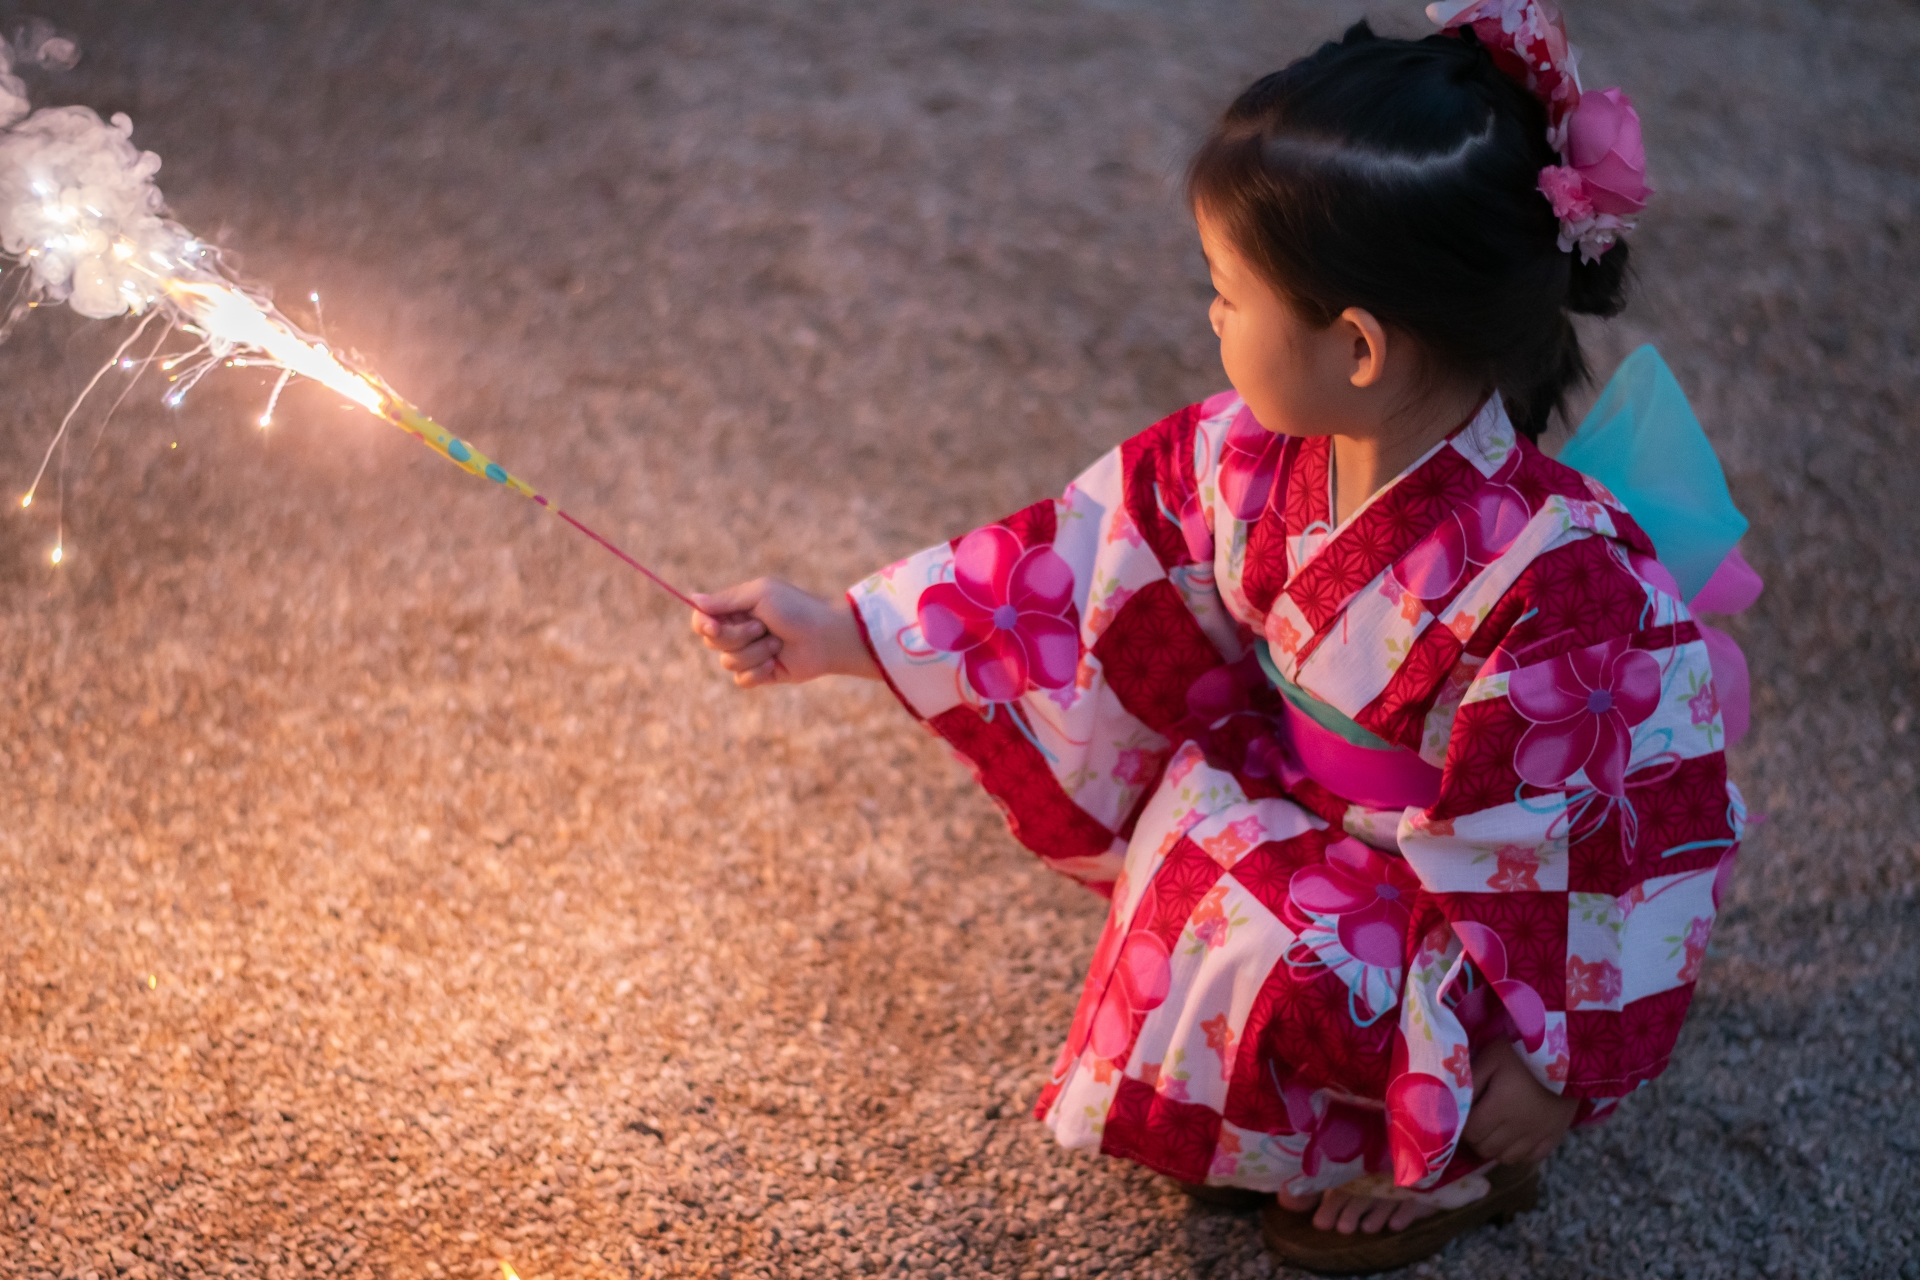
(1290, 983)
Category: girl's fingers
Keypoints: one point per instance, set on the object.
(765, 673)
(760, 653)
(736, 599)
(730, 633)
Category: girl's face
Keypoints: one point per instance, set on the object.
(1297, 379)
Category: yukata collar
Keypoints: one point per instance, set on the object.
(1486, 438)
(1483, 450)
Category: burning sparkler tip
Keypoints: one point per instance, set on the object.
(507, 1272)
(153, 981)
(58, 555)
(27, 500)
(266, 420)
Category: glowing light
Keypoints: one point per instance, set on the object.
(507, 1272)
(58, 555)
(27, 501)
(153, 981)
(229, 316)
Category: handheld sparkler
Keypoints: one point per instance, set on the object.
(83, 223)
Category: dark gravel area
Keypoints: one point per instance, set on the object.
(388, 886)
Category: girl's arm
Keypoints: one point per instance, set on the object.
(771, 632)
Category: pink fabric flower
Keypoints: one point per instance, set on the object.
(1368, 892)
(1582, 707)
(1567, 192)
(1009, 612)
(1528, 41)
(1604, 146)
(1249, 465)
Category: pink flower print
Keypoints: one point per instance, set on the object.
(1595, 982)
(1476, 534)
(1226, 1155)
(1009, 612)
(1703, 706)
(1423, 1118)
(1561, 1065)
(1582, 707)
(1696, 946)
(1249, 465)
(1522, 1003)
(1226, 847)
(1142, 976)
(1517, 870)
(1459, 1065)
(1366, 890)
(1336, 1132)
(1282, 634)
(1221, 1039)
(1135, 766)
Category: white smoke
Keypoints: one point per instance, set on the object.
(78, 206)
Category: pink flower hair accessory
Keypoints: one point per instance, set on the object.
(1601, 182)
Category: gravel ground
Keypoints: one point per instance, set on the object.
(388, 887)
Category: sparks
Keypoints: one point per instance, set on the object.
(93, 235)
(59, 554)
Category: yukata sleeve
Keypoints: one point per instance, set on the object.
(1583, 834)
(1054, 650)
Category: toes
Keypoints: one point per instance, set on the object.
(1376, 1215)
(1327, 1216)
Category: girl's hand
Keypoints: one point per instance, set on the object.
(1514, 1118)
(771, 632)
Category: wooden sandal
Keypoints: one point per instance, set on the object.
(1295, 1241)
(1231, 1199)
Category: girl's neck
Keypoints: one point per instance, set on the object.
(1365, 464)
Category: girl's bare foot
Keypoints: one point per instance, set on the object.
(1349, 1211)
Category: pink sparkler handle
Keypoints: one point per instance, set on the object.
(471, 460)
(650, 575)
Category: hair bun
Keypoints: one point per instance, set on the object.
(1599, 288)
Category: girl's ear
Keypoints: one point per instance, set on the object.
(1368, 346)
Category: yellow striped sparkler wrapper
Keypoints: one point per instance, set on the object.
(463, 455)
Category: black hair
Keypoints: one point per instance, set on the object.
(1401, 176)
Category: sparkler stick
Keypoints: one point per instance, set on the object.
(82, 219)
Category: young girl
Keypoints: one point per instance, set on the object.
(1395, 748)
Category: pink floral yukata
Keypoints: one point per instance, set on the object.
(1300, 954)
